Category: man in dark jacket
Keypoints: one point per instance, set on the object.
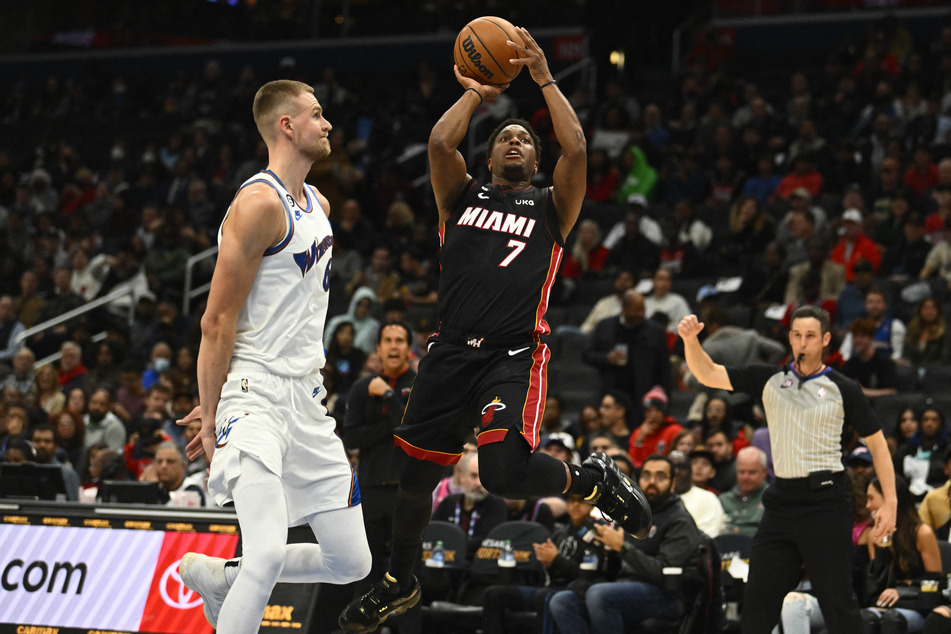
(639, 592)
(374, 408)
(631, 352)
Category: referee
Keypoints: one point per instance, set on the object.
(808, 515)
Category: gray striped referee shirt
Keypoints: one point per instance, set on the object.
(806, 417)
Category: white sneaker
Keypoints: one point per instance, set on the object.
(206, 576)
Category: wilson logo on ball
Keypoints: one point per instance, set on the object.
(475, 57)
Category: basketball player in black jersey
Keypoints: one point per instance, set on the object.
(502, 242)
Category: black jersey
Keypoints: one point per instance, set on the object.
(501, 249)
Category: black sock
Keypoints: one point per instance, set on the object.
(582, 480)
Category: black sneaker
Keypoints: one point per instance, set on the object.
(380, 602)
(619, 497)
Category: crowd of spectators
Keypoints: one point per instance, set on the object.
(730, 196)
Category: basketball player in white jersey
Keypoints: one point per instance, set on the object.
(271, 443)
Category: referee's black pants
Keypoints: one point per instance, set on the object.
(802, 526)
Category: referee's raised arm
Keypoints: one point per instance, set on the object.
(701, 365)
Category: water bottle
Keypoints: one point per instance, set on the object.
(589, 560)
(438, 558)
(507, 558)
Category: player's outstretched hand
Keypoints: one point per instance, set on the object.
(531, 55)
(486, 91)
(204, 442)
(689, 327)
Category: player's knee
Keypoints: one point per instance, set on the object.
(266, 560)
(354, 566)
(501, 479)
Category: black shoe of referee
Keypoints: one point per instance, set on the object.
(619, 497)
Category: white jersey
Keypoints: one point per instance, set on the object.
(281, 324)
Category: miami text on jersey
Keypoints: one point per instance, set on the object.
(307, 259)
(497, 221)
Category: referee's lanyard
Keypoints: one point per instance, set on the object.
(473, 518)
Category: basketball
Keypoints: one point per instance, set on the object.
(481, 53)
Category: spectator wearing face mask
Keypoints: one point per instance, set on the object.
(161, 361)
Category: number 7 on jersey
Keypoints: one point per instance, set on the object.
(517, 246)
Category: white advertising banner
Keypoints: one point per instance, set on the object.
(76, 577)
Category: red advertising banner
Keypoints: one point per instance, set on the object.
(171, 608)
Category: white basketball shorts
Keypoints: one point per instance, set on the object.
(281, 422)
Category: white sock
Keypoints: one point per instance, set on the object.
(232, 567)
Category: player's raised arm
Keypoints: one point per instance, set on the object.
(256, 221)
(701, 365)
(447, 167)
(569, 180)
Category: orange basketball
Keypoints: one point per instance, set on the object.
(481, 53)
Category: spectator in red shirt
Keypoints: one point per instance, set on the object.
(587, 255)
(656, 433)
(854, 245)
(603, 177)
(922, 175)
(804, 174)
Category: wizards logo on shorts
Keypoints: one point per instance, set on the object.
(488, 412)
(225, 431)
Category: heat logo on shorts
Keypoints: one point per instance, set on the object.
(488, 412)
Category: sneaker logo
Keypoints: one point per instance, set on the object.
(174, 591)
(512, 353)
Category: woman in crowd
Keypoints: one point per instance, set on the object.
(76, 401)
(587, 254)
(920, 459)
(48, 395)
(904, 431)
(717, 414)
(346, 359)
(927, 341)
(685, 441)
(898, 566)
(70, 432)
(750, 230)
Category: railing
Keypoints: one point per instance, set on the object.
(189, 293)
(676, 45)
(76, 312)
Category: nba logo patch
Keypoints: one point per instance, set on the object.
(244, 385)
(822, 393)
